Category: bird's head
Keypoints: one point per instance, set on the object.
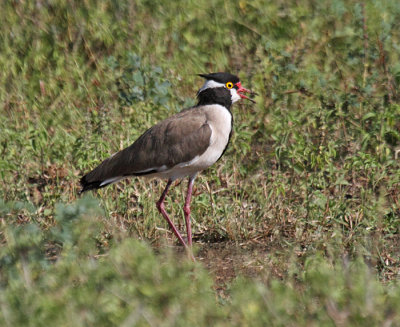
(226, 84)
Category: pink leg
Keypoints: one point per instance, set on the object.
(186, 209)
(161, 209)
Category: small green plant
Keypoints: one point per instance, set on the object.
(69, 276)
(139, 82)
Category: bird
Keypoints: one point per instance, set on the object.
(178, 147)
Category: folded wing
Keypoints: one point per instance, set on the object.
(175, 140)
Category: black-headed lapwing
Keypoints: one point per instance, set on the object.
(179, 146)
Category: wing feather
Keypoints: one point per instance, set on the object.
(175, 140)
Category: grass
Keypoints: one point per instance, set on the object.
(298, 224)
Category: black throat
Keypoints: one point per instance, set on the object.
(215, 95)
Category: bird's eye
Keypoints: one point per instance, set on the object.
(229, 85)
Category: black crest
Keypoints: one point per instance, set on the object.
(221, 77)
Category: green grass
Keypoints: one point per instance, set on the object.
(305, 200)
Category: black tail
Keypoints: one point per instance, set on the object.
(87, 186)
(95, 184)
(111, 170)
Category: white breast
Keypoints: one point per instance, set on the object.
(220, 122)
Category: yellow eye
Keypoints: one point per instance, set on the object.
(229, 85)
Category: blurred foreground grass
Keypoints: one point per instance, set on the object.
(311, 176)
(131, 286)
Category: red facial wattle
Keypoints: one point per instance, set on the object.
(240, 90)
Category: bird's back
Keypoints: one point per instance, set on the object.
(174, 141)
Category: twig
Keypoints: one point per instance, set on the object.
(382, 61)
(301, 90)
(365, 37)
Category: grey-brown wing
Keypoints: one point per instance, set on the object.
(172, 142)
(175, 140)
